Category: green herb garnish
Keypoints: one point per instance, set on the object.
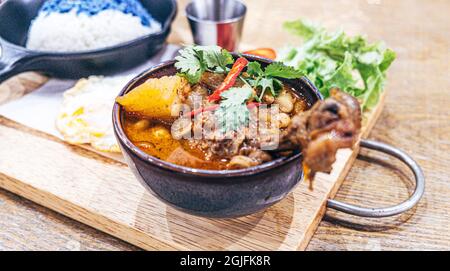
(233, 112)
(193, 61)
(266, 79)
(337, 60)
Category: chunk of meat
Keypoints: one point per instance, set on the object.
(328, 126)
(183, 158)
(213, 80)
(197, 97)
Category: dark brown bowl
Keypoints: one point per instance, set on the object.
(212, 193)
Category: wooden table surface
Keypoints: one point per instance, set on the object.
(416, 119)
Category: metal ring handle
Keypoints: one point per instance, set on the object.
(393, 210)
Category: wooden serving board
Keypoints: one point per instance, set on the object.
(104, 194)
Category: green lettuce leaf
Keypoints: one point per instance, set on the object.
(338, 60)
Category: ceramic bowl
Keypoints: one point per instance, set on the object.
(212, 193)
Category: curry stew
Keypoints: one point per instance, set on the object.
(153, 134)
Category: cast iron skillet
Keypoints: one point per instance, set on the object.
(16, 17)
(233, 193)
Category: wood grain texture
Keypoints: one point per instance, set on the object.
(416, 119)
(104, 194)
(27, 226)
(20, 85)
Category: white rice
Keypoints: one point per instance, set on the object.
(69, 32)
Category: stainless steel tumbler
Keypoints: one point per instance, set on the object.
(217, 22)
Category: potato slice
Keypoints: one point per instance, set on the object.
(155, 97)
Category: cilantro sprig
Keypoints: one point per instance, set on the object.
(233, 112)
(193, 61)
(267, 79)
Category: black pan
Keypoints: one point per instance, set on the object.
(16, 17)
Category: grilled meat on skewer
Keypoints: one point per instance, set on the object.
(329, 125)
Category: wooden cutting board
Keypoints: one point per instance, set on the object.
(104, 194)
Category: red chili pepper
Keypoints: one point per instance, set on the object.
(263, 52)
(229, 81)
(194, 113)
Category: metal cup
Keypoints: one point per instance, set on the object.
(217, 22)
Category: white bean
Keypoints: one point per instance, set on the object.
(283, 120)
(142, 124)
(240, 161)
(285, 101)
(181, 128)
